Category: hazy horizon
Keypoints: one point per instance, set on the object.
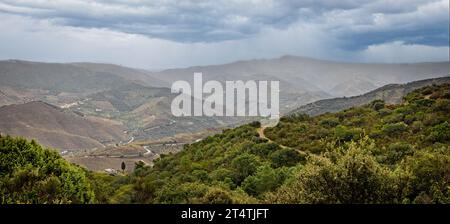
(225, 63)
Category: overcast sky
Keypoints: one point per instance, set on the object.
(158, 34)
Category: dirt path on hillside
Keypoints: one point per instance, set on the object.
(261, 133)
(263, 136)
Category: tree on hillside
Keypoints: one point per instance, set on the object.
(123, 166)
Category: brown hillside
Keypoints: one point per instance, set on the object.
(56, 128)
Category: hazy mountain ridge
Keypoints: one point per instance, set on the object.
(392, 94)
(63, 82)
(312, 74)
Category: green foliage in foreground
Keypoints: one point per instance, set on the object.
(32, 174)
(377, 153)
(351, 174)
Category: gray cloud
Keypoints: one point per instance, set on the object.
(211, 21)
(161, 33)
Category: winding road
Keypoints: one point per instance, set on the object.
(148, 151)
(131, 140)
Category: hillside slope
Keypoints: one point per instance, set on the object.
(53, 127)
(146, 112)
(392, 94)
(376, 153)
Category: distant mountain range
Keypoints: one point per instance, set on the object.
(137, 102)
(300, 74)
(70, 77)
(56, 83)
(24, 80)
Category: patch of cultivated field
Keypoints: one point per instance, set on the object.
(100, 163)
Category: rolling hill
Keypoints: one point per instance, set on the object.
(145, 111)
(56, 128)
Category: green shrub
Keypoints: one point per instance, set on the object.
(394, 129)
(384, 112)
(244, 166)
(217, 196)
(342, 133)
(440, 133)
(377, 105)
(430, 177)
(266, 179)
(398, 151)
(32, 174)
(329, 123)
(286, 157)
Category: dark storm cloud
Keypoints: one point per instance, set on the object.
(211, 21)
